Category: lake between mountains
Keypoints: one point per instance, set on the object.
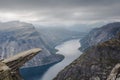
(71, 52)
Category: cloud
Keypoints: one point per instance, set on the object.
(60, 11)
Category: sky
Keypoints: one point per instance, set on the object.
(60, 12)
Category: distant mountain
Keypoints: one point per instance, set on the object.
(99, 35)
(98, 60)
(53, 36)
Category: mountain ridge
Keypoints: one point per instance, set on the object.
(101, 34)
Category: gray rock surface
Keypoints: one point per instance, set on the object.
(99, 35)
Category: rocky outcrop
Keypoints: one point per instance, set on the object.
(99, 35)
(114, 75)
(95, 64)
(9, 68)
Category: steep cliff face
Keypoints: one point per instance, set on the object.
(95, 64)
(18, 36)
(99, 35)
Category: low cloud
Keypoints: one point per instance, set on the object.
(58, 12)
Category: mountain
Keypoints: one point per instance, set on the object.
(16, 36)
(19, 36)
(99, 35)
(96, 62)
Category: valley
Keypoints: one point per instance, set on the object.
(47, 72)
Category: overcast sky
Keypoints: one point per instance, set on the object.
(60, 12)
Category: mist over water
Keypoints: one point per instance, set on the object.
(70, 50)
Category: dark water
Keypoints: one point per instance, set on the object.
(34, 73)
(69, 49)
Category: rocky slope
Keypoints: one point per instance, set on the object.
(115, 73)
(95, 64)
(99, 35)
(19, 36)
(101, 53)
